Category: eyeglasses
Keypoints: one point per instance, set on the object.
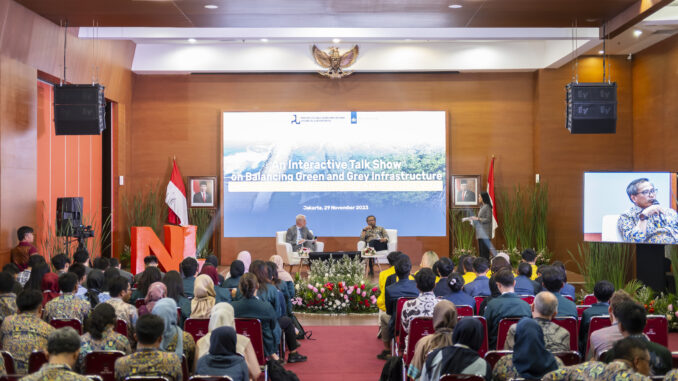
(649, 191)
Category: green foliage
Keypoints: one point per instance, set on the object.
(524, 212)
(539, 211)
(463, 232)
(126, 257)
(603, 261)
(202, 218)
(146, 208)
(512, 213)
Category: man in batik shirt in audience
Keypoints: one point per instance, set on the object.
(25, 332)
(67, 305)
(149, 360)
(7, 297)
(63, 346)
(120, 292)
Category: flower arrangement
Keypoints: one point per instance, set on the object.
(337, 286)
(303, 251)
(368, 251)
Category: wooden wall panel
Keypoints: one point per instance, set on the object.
(180, 115)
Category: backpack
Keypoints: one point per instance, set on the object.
(393, 369)
(276, 372)
(303, 334)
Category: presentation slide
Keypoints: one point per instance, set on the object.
(336, 168)
(611, 215)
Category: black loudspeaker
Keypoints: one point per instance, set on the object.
(79, 109)
(68, 215)
(592, 108)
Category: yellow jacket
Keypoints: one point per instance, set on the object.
(381, 300)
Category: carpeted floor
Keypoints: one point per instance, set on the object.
(339, 353)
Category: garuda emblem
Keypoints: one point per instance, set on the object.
(334, 61)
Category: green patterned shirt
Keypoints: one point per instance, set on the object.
(590, 370)
(55, 373)
(110, 341)
(22, 334)
(7, 305)
(67, 306)
(149, 362)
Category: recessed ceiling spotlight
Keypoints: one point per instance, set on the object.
(192, 40)
(637, 32)
(601, 52)
(455, 6)
(591, 20)
(211, 6)
(263, 39)
(336, 40)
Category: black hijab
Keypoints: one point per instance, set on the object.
(468, 337)
(237, 269)
(469, 332)
(222, 341)
(222, 360)
(530, 357)
(95, 284)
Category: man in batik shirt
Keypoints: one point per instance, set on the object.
(67, 305)
(63, 346)
(7, 297)
(647, 221)
(631, 362)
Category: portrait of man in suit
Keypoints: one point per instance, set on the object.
(466, 192)
(202, 192)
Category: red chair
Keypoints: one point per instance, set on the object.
(460, 377)
(121, 327)
(210, 378)
(60, 323)
(597, 322)
(674, 356)
(492, 357)
(184, 368)
(657, 329)
(479, 300)
(484, 345)
(251, 328)
(146, 378)
(569, 358)
(570, 324)
(502, 331)
(9, 362)
(12, 377)
(399, 335)
(569, 297)
(197, 327)
(139, 302)
(464, 310)
(527, 298)
(36, 360)
(419, 327)
(590, 299)
(102, 363)
(581, 309)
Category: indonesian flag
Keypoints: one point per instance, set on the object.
(176, 198)
(490, 191)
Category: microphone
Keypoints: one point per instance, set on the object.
(655, 202)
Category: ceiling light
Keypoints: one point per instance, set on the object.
(263, 39)
(192, 40)
(601, 52)
(336, 40)
(454, 6)
(637, 32)
(211, 6)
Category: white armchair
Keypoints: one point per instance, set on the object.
(284, 250)
(611, 232)
(392, 245)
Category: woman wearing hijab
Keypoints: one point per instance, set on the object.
(246, 259)
(156, 291)
(444, 320)
(174, 339)
(214, 261)
(95, 286)
(530, 359)
(222, 359)
(203, 297)
(210, 271)
(285, 278)
(223, 316)
(50, 287)
(236, 271)
(460, 358)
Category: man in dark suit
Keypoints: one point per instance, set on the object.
(481, 285)
(403, 288)
(552, 281)
(298, 235)
(202, 197)
(464, 194)
(603, 291)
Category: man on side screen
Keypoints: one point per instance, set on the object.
(647, 221)
(298, 235)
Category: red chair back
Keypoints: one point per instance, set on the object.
(102, 363)
(570, 324)
(400, 335)
(484, 345)
(569, 358)
(460, 377)
(581, 309)
(60, 323)
(419, 327)
(527, 298)
(121, 327)
(36, 360)
(210, 378)
(492, 357)
(9, 362)
(657, 329)
(197, 327)
(674, 357)
(251, 328)
(502, 331)
(590, 299)
(479, 300)
(464, 310)
(147, 378)
(597, 322)
(139, 302)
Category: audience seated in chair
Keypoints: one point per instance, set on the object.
(174, 339)
(222, 359)
(465, 268)
(552, 280)
(530, 358)
(461, 357)
(631, 361)
(175, 290)
(80, 271)
(403, 288)
(285, 312)
(189, 267)
(148, 360)
(392, 257)
(95, 287)
(445, 266)
(63, 346)
(7, 296)
(100, 335)
(423, 304)
(544, 309)
(457, 295)
(150, 261)
(50, 287)
(144, 281)
(603, 339)
(204, 297)
(632, 319)
(25, 332)
(480, 285)
(156, 291)
(235, 272)
(603, 291)
(121, 291)
(530, 257)
(524, 284)
(444, 321)
(567, 289)
(508, 304)
(67, 306)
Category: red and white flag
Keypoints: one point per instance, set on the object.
(175, 198)
(490, 191)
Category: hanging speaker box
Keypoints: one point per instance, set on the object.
(591, 108)
(79, 109)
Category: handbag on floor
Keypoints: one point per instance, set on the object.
(303, 334)
(277, 372)
(393, 369)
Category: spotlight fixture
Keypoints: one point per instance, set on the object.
(601, 52)
(455, 6)
(192, 40)
(211, 6)
(637, 32)
(336, 40)
(263, 39)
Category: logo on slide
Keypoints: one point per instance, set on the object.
(295, 120)
(354, 117)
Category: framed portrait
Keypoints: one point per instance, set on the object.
(202, 191)
(465, 191)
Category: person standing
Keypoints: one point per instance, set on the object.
(298, 235)
(374, 236)
(483, 226)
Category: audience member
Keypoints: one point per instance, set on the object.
(174, 339)
(428, 259)
(81, 256)
(524, 284)
(7, 297)
(631, 362)
(567, 289)
(603, 291)
(148, 360)
(101, 263)
(467, 267)
(589, 370)
(67, 305)
(457, 295)
(222, 359)
(80, 272)
(544, 309)
(552, 280)
(148, 277)
(235, 272)
(50, 287)
(214, 261)
(210, 271)
(120, 291)
(100, 334)
(403, 288)
(115, 263)
(110, 274)
(461, 357)
(284, 319)
(508, 304)
(95, 285)
(175, 290)
(189, 267)
(494, 293)
(392, 257)
(530, 358)
(530, 257)
(150, 261)
(286, 280)
(63, 346)
(246, 259)
(445, 267)
(204, 297)
(156, 291)
(13, 270)
(22, 252)
(480, 285)
(603, 339)
(23, 333)
(33, 261)
(423, 304)
(61, 263)
(672, 375)
(223, 316)
(35, 279)
(632, 319)
(267, 291)
(444, 321)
